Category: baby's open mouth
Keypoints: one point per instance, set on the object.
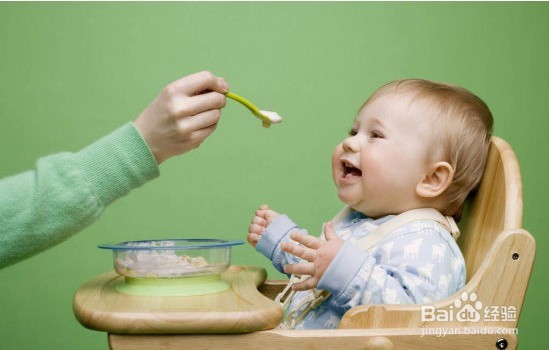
(350, 169)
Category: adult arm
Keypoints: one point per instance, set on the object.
(68, 191)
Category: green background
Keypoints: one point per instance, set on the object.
(72, 72)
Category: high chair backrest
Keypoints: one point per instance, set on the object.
(494, 208)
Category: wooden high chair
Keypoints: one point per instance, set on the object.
(499, 255)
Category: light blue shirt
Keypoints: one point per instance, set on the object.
(418, 263)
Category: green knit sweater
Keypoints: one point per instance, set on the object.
(68, 191)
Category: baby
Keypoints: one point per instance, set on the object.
(412, 156)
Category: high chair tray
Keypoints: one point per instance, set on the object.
(240, 309)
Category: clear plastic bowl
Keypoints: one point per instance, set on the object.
(171, 258)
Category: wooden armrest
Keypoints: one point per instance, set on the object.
(272, 288)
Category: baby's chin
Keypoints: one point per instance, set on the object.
(356, 206)
(348, 201)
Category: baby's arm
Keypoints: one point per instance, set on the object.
(417, 267)
(267, 231)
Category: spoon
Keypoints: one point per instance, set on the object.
(266, 117)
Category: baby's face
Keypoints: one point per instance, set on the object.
(377, 167)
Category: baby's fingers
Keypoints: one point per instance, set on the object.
(309, 283)
(262, 213)
(304, 268)
(253, 238)
(259, 221)
(299, 251)
(255, 228)
(267, 214)
(329, 231)
(306, 240)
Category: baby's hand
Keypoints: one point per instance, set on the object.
(262, 218)
(318, 253)
(183, 115)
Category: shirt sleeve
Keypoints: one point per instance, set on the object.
(269, 244)
(419, 266)
(68, 191)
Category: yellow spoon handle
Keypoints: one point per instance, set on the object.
(246, 103)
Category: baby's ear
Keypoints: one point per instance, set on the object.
(436, 181)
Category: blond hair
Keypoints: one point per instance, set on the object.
(463, 125)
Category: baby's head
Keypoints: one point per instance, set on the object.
(414, 144)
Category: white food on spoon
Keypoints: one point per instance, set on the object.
(274, 117)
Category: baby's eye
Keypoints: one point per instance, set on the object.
(353, 132)
(376, 134)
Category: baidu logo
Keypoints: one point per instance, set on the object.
(467, 308)
(469, 312)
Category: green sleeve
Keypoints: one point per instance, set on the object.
(68, 191)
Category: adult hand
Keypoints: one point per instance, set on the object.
(183, 115)
(318, 254)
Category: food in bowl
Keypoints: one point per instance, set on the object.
(171, 258)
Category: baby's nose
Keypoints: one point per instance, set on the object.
(350, 144)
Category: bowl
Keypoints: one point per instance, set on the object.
(171, 258)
